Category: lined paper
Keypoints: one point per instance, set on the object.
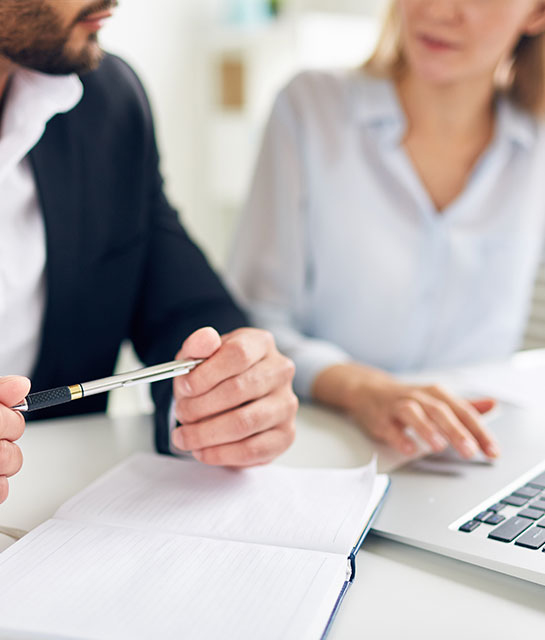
(167, 548)
(70, 580)
(319, 509)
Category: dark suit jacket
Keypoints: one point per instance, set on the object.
(119, 264)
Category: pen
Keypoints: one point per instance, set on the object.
(60, 395)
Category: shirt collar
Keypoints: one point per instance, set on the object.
(375, 103)
(374, 100)
(33, 99)
(515, 125)
(35, 96)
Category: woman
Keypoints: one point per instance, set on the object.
(397, 214)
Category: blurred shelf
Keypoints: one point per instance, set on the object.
(269, 55)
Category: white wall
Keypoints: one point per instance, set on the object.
(157, 39)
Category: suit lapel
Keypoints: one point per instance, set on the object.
(58, 173)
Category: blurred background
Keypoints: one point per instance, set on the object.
(212, 69)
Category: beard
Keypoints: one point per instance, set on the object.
(33, 35)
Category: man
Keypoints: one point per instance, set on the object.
(91, 253)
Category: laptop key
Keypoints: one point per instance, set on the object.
(538, 504)
(470, 526)
(527, 492)
(497, 507)
(533, 514)
(515, 501)
(534, 538)
(495, 518)
(481, 517)
(538, 481)
(509, 530)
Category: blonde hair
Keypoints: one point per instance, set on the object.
(523, 82)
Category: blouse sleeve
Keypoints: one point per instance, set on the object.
(270, 265)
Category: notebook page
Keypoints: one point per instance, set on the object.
(68, 580)
(320, 509)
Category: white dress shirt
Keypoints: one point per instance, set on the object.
(32, 100)
(343, 256)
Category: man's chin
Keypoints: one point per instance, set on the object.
(85, 60)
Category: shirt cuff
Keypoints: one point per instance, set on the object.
(310, 360)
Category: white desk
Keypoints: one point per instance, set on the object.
(399, 592)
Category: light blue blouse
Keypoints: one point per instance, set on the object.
(343, 256)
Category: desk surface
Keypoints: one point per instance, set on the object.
(399, 591)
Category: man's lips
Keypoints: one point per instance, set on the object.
(97, 17)
(95, 21)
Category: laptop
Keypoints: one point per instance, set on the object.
(488, 514)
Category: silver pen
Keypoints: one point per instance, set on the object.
(61, 395)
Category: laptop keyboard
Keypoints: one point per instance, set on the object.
(518, 518)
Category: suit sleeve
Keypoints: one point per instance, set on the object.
(180, 292)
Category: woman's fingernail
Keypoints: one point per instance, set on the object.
(469, 449)
(492, 451)
(408, 448)
(438, 443)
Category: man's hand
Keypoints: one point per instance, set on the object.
(12, 424)
(384, 408)
(237, 408)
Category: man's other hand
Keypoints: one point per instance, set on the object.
(237, 408)
(12, 424)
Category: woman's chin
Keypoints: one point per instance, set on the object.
(438, 75)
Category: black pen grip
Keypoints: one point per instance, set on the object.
(49, 398)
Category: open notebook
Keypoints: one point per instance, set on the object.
(167, 548)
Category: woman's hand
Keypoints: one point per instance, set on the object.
(385, 408)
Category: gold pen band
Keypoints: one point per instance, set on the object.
(76, 391)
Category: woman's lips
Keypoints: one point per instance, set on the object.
(436, 44)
